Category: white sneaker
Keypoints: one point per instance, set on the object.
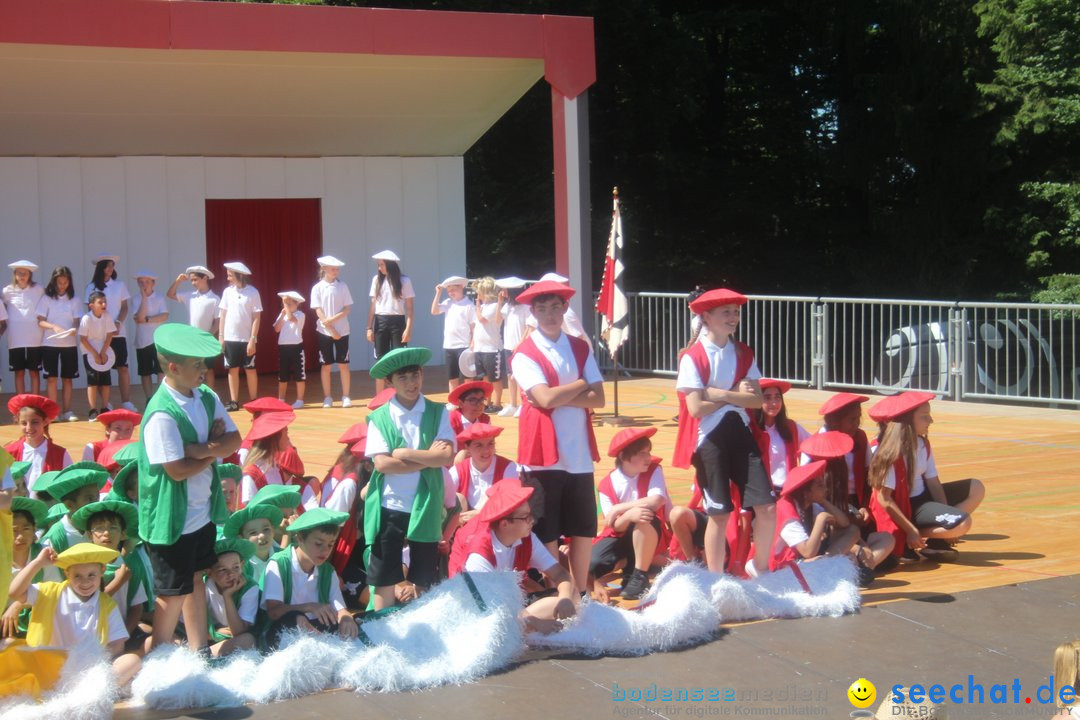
(517, 411)
(298, 404)
(130, 406)
(346, 402)
(328, 401)
(507, 411)
(71, 417)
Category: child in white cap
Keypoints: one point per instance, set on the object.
(238, 330)
(331, 301)
(460, 314)
(21, 299)
(202, 303)
(150, 312)
(289, 326)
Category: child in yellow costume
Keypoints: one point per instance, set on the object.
(66, 613)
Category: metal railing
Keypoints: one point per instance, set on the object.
(1016, 352)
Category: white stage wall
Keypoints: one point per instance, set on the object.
(151, 212)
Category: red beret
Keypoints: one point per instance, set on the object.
(355, 433)
(289, 461)
(381, 399)
(782, 385)
(896, 406)
(50, 409)
(268, 423)
(105, 457)
(478, 431)
(108, 418)
(267, 404)
(828, 445)
(626, 437)
(504, 497)
(545, 287)
(716, 298)
(839, 401)
(456, 393)
(801, 475)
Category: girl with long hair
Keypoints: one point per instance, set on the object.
(390, 316)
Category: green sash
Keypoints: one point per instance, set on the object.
(326, 576)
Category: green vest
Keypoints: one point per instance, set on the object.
(139, 577)
(162, 500)
(57, 536)
(215, 636)
(326, 576)
(425, 520)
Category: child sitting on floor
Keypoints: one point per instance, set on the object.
(232, 598)
(75, 486)
(27, 514)
(480, 469)
(256, 524)
(119, 425)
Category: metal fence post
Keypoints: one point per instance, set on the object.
(817, 321)
(957, 364)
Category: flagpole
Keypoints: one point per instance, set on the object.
(616, 418)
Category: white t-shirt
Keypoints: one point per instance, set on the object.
(120, 596)
(292, 330)
(336, 495)
(625, 488)
(247, 605)
(722, 366)
(487, 335)
(305, 587)
(21, 304)
(386, 303)
(540, 558)
(65, 313)
(144, 332)
(203, 308)
(76, 620)
(116, 293)
(247, 484)
(399, 491)
(74, 537)
(778, 452)
(457, 326)
(479, 482)
(95, 329)
(569, 422)
(332, 298)
(239, 306)
(794, 533)
(163, 443)
(924, 467)
(515, 319)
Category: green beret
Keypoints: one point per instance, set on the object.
(56, 512)
(399, 358)
(317, 518)
(35, 508)
(44, 480)
(185, 341)
(19, 468)
(128, 453)
(230, 470)
(238, 519)
(285, 497)
(118, 491)
(80, 519)
(77, 476)
(242, 547)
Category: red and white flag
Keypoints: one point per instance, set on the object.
(611, 304)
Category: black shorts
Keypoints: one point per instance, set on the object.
(96, 378)
(288, 621)
(608, 551)
(236, 355)
(146, 357)
(489, 365)
(291, 363)
(452, 356)
(384, 564)
(175, 565)
(701, 521)
(927, 513)
(333, 351)
(388, 330)
(24, 358)
(728, 456)
(567, 504)
(119, 348)
(60, 362)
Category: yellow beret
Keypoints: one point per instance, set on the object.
(85, 553)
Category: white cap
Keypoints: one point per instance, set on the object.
(291, 294)
(104, 256)
(554, 277)
(237, 266)
(23, 264)
(201, 269)
(455, 280)
(510, 283)
(386, 255)
(145, 274)
(330, 261)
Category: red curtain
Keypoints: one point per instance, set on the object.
(278, 240)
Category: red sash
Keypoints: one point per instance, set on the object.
(346, 539)
(791, 449)
(464, 473)
(54, 454)
(900, 496)
(98, 446)
(537, 443)
(608, 490)
(785, 513)
(457, 420)
(475, 537)
(687, 435)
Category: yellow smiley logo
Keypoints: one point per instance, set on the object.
(862, 693)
